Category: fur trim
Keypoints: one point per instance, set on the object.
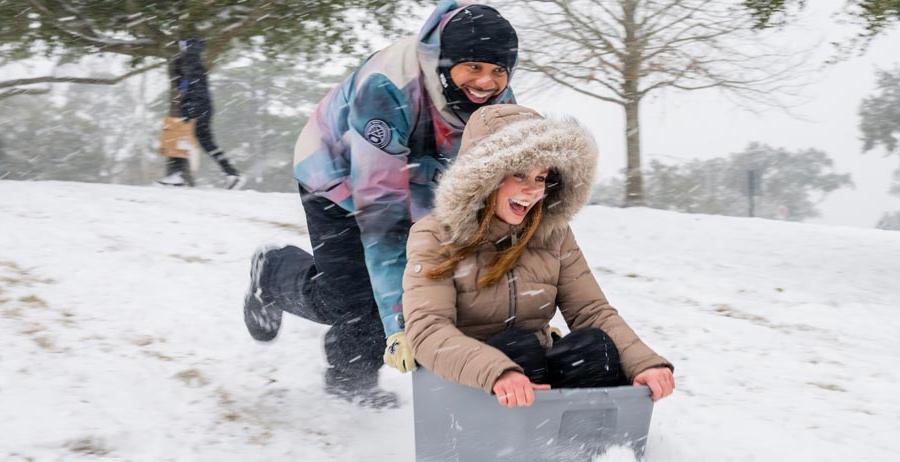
(562, 144)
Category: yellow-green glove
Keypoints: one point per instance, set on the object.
(398, 354)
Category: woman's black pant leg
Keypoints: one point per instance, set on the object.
(524, 349)
(584, 358)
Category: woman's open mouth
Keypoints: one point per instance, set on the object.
(519, 207)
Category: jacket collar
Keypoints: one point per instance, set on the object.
(502, 234)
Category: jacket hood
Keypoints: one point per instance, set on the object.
(505, 139)
(429, 53)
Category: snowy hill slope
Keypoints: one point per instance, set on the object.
(121, 334)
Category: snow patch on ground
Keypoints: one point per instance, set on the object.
(616, 454)
(121, 334)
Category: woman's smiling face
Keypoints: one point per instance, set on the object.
(518, 193)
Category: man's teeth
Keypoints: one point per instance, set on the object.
(480, 93)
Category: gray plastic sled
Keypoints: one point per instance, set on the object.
(457, 423)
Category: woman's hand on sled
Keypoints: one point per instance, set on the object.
(514, 389)
(659, 379)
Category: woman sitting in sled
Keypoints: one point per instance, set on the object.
(488, 268)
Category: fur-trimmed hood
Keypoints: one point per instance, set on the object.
(504, 139)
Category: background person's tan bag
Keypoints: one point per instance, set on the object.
(177, 137)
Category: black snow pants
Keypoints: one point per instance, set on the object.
(331, 287)
(585, 358)
(203, 132)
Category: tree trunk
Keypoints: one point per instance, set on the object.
(143, 175)
(174, 96)
(174, 105)
(634, 181)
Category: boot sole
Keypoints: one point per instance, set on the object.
(253, 305)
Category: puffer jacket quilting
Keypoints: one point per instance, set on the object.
(447, 320)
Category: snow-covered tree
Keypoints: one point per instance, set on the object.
(879, 122)
(788, 185)
(880, 113)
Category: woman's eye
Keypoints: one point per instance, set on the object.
(540, 179)
(519, 176)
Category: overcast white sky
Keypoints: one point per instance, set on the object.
(679, 126)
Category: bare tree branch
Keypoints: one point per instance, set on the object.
(23, 91)
(582, 90)
(143, 25)
(81, 32)
(577, 23)
(687, 16)
(646, 22)
(84, 80)
(220, 42)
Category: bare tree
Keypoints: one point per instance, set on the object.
(621, 51)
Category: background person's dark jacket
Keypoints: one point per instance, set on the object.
(192, 84)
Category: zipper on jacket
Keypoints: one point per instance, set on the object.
(511, 282)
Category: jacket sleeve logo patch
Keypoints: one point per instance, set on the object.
(378, 132)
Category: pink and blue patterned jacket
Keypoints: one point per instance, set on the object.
(376, 146)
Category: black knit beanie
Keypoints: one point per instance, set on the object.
(477, 33)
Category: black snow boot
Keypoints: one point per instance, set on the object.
(361, 391)
(178, 173)
(261, 314)
(233, 178)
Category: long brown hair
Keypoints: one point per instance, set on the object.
(505, 259)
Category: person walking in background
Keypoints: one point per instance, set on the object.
(367, 163)
(195, 104)
(488, 268)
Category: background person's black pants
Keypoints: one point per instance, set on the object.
(585, 358)
(203, 132)
(331, 287)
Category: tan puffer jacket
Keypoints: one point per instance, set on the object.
(447, 320)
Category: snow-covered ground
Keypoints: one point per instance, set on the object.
(121, 335)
